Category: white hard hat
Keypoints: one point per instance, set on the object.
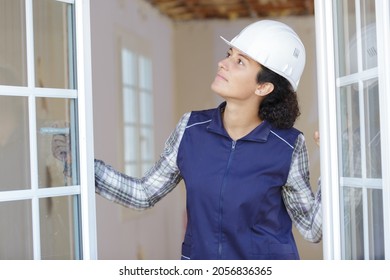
(274, 45)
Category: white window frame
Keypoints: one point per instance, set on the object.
(383, 44)
(83, 94)
(85, 125)
(328, 123)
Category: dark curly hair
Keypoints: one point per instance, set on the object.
(280, 107)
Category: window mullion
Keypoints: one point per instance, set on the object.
(138, 114)
(32, 129)
(328, 122)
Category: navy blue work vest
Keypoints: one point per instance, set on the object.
(234, 205)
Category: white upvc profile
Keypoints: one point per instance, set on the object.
(383, 42)
(331, 17)
(80, 191)
(84, 79)
(326, 90)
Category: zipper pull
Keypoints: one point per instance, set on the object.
(234, 144)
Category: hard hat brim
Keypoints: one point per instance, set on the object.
(234, 46)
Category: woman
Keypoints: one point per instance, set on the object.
(244, 165)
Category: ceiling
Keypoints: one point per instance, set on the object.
(184, 10)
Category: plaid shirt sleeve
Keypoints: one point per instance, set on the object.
(303, 206)
(142, 193)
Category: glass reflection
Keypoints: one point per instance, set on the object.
(350, 40)
(54, 46)
(56, 116)
(368, 37)
(350, 161)
(372, 129)
(347, 49)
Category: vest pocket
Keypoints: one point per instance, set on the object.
(276, 251)
(266, 249)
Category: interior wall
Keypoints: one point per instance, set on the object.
(198, 50)
(124, 233)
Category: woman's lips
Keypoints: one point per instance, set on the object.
(219, 76)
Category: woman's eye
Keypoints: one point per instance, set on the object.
(240, 62)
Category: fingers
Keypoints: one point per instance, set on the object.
(316, 137)
(61, 147)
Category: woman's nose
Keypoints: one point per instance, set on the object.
(223, 63)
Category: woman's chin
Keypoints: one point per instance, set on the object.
(215, 88)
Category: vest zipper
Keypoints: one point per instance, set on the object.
(221, 200)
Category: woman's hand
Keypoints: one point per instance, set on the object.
(316, 137)
(60, 146)
(61, 149)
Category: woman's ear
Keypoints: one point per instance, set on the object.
(264, 89)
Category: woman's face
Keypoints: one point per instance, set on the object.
(236, 76)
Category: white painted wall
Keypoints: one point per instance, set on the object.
(185, 57)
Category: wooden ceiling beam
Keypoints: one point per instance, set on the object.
(231, 9)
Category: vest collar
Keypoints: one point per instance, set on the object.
(259, 134)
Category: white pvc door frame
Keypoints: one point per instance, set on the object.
(85, 112)
(383, 43)
(83, 94)
(328, 123)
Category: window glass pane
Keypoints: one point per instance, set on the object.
(146, 144)
(372, 129)
(13, 62)
(53, 43)
(131, 144)
(359, 135)
(345, 30)
(131, 169)
(349, 120)
(60, 235)
(146, 100)
(369, 49)
(376, 230)
(16, 230)
(353, 223)
(56, 116)
(14, 144)
(130, 105)
(145, 73)
(128, 68)
(146, 166)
